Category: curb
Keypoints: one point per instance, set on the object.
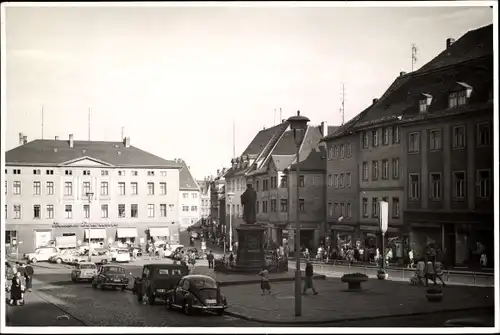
(365, 318)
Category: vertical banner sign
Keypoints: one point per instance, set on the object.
(384, 216)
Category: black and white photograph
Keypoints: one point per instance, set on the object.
(249, 167)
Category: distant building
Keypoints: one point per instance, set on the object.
(204, 199)
(135, 193)
(189, 197)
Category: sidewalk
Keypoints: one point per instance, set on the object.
(335, 304)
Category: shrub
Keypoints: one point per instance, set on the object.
(381, 272)
(355, 275)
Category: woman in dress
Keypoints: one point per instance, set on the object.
(265, 285)
(16, 290)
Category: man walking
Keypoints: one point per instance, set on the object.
(308, 281)
(210, 259)
(28, 275)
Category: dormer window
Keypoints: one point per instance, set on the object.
(460, 96)
(425, 102)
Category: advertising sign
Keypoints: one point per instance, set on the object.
(383, 216)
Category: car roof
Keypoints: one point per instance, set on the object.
(164, 266)
(112, 265)
(194, 277)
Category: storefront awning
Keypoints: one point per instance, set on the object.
(377, 229)
(159, 232)
(126, 232)
(99, 233)
(342, 228)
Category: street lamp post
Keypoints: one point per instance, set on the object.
(230, 199)
(298, 124)
(90, 195)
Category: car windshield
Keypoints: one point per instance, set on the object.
(201, 283)
(123, 251)
(113, 269)
(87, 266)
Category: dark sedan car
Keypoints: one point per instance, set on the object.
(110, 276)
(196, 293)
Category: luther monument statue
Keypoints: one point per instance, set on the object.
(249, 201)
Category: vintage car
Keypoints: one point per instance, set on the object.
(122, 256)
(71, 256)
(99, 256)
(177, 255)
(83, 271)
(196, 293)
(41, 254)
(156, 280)
(59, 257)
(172, 248)
(110, 276)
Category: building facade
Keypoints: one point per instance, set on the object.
(100, 192)
(189, 197)
(204, 198)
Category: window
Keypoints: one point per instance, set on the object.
(257, 207)
(17, 187)
(484, 184)
(16, 171)
(50, 188)
(86, 172)
(49, 172)
(121, 210)
(151, 210)
(395, 135)
(301, 181)
(414, 186)
(374, 170)
(134, 211)
(395, 207)
(264, 206)
(364, 140)
(385, 169)
(273, 205)
(435, 186)
(274, 182)
(121, 173)
(121, 188)
(395, 168)
(342, 151)
(422, 105)
(163, 210)
(135, 173)
(68, 210)
(349, 150)
(163, 189)
(186, 208)
(134, 188)
(336, 151)
(37, 188)
(163, 173)
(375, 138)
(302, 205)
(374, 208)
(194, 195)
(435, 139)
(330, 209)
(365, 171)
(265, 185)
(452, 100)
(104, 188)
(459, 137)
(68, 188)
(342, 210)
(330, 180)
(68, 172)
(341, 180)
(151, 173)
(284, 205)
(462, 98)
(330, 153)
(195, 208)
(104, 173)
(349, 210)
(6, 187)
(86, 211)
(170, 207)
(336, 180)
(348, 180)
(385, 136)
(50, 211)
(459, 185)
(86, 188)
(365, 207)
(257, 184)
(17, 211)
(104, 211)
(483, 134)
(36, 212)
(185, 195)
(336, 209)
(151, 189)
(413, 142)
(36, 171)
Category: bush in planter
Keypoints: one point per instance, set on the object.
(434, 291)
(381, 272)
(355, 275)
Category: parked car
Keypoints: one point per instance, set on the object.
(173, 249)
(156, 280)
(59, 257)
(135, 247)
(41, 254)
(110, 276)
(122, 255)
(71, 257)
(99, 256)
(196, 293)
(84, 271)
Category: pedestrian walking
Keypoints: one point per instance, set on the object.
(231, 259)
(412, 260)
(483, 260)
(28, 275)
(16, 291)
(210, 259)
(265, 285)
(308, 280)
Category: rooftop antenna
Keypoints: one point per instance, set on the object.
(42, 122)
(413, 56)
(234, 141)
(342, 110)
(280, 114)
(90, 111)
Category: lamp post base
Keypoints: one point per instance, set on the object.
(298, 297)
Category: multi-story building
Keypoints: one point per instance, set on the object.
(410, 148)
(189, 197)
(217, 202)
(204, 199)
(62, 188)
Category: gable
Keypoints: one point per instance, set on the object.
(86, 161)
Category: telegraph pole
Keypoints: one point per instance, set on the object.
(413, 56)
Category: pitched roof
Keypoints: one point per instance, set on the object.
(186, 180)
(56, 152)
(314, 162)
(282, 161)
(262, 138)
(204, 186)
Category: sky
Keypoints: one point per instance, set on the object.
(176, 78)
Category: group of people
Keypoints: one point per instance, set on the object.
(265, 284)
(22, 277)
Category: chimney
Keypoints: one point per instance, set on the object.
(57, 138)
(324, 128)
(21, 139)
(126, 141)
(218, 171)
(375, 100)
(449, 42)
(402, 73)
(71, 140)
(25, 139)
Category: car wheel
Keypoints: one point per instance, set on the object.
(123, 288)
(94, 285)
(168, 303)
(58, 261)
(101, 286)
(33, 260)
(187, 308)
(151, 298)
(220, 312)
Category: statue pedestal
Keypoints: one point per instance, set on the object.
(250, 254)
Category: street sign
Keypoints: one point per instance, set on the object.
(383, 216)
